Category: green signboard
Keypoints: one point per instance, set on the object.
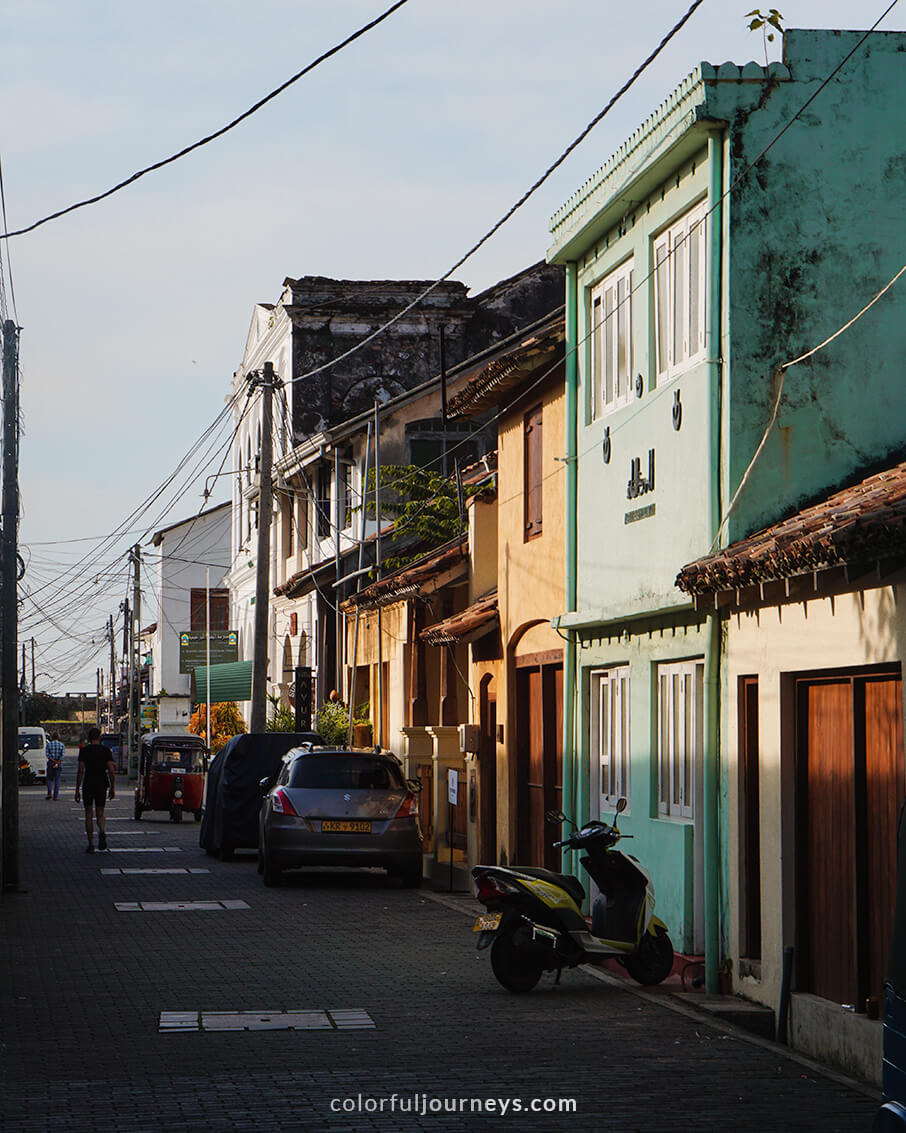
(193, 648)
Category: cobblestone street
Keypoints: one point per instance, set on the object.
(85, 982)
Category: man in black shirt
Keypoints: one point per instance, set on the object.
(96, 769)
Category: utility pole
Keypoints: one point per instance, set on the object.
(33, 687)
(267, 380)
(134, 725)
(379, 715)
(9, 613)
(111, 701)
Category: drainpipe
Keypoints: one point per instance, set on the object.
(573, 801)
(712, 657)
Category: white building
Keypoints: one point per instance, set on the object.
(192, 553)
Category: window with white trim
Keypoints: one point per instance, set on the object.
(679, 293)
(610, 732)
(680, 697)
(611, 341)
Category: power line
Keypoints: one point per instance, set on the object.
(217, 133)
(522, 200)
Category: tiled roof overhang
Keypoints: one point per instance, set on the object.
(429, 574)
(863, 523)
(537, 351)
(468, 625)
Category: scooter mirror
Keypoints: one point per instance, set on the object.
(414, 785)
(555, 817)
(621, 805)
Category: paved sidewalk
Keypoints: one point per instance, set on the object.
(83, 984)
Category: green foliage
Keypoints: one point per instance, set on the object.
(424, 506)
(764, 20)
(282, 718)
(332, 720)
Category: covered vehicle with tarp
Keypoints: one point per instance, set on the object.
(892, 1115)
(234, 791)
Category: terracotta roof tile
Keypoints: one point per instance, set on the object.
(865, 521)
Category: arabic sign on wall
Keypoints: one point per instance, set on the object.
(193, 648)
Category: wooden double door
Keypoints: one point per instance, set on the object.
(850, 787)
(539, 757)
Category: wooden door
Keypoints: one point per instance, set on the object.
(750, 820)
(487, 772)
(827, 867)
(850, 782)
(539, 714)
(884, 791)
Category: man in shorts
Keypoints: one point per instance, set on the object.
(96, 770)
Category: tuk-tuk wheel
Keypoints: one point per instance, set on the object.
(137, 813)
(198, 815)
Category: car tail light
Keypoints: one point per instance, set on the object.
(409, 806)
(488, 888)
(281, 804)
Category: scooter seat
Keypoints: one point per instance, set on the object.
(572, 885)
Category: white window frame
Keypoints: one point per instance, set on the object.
(610, 734)
(680, 293)
(610, 334)
(680, 703)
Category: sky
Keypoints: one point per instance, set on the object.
(388, 161)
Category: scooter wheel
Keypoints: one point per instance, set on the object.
(137, 812)
(653, 962)
(514, 970)
(176, 814)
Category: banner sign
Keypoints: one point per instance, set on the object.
(193, 648)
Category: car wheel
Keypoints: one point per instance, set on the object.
(269, 871)
(411, 876)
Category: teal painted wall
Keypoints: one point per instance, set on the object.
(815, 231)
(808, 238)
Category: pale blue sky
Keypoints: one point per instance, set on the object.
(388, 161)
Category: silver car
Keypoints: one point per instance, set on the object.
(341, 807)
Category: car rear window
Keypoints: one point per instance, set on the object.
(342, 773)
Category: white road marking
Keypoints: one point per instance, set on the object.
(159, 870)
(179, 1021)
(177, 906)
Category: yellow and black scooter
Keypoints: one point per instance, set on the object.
(535, 924)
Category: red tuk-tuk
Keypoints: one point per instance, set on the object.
(171, 775)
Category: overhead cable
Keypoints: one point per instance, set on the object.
(217, 133)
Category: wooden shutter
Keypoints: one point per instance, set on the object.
(533, 474)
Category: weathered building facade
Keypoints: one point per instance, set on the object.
(727, 237)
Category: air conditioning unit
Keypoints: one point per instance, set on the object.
(469, 738)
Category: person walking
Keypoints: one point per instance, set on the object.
(54, 751)
(96, 769)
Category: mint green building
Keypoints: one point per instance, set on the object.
(734, 230)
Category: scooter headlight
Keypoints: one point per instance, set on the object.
(177, 794)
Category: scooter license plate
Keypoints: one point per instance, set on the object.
(487, 922)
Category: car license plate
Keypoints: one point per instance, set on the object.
(337, 826)
(487, 922)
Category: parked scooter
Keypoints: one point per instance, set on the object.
(534, 921)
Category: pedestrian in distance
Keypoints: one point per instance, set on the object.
(96, 770)
(54, 751)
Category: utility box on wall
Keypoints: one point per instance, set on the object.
(468, 738)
